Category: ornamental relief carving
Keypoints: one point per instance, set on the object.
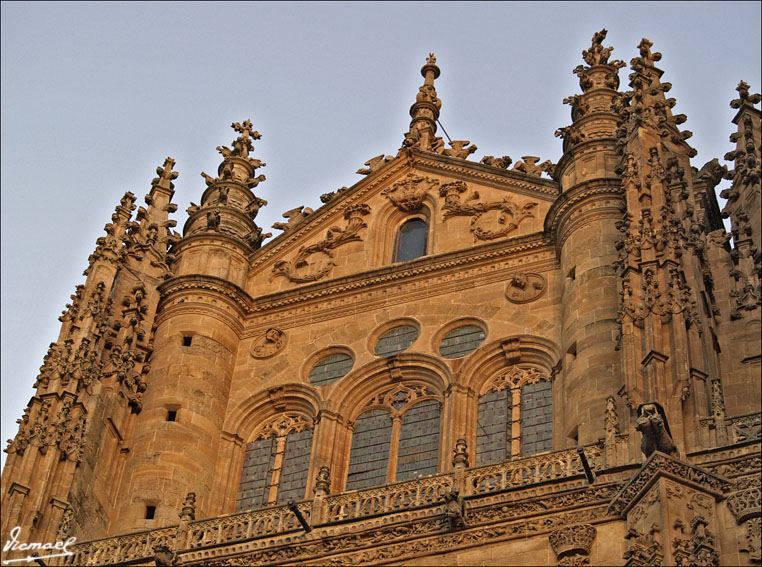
(409, 193)
(525, 287)
(489, 220)
(315, 261)
(268, 344)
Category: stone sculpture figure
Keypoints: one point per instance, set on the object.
(652, 423)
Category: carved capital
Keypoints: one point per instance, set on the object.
(572, 544)
(745, 504)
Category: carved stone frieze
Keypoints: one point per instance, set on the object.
(525, 287)
(408, 194)
(315, 261)
(489, 220)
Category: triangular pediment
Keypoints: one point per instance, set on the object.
(464, 205)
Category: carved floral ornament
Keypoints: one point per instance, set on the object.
(408, 194)
(269, 343)
(489, 220)
(315, 261)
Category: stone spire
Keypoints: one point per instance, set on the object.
(425, 112)
(228, 206)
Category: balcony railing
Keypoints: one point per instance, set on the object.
(348, 506)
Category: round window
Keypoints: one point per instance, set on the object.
(396, 340)
(461, 341)
(331, 368)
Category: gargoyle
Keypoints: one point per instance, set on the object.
(455, 510)
(652, 423)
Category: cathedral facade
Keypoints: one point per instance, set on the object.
(452, 362)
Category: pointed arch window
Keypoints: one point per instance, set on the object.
(276, 463)
(412, 240)
(515, 416)
(396, 438)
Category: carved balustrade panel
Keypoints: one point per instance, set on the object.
(395, 497)
(236, 527)
(539, 468)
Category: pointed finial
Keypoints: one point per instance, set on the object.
(597, 54)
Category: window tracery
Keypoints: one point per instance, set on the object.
(514, 416)
(396, 437)
(276, 462)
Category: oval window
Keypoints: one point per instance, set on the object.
(396, 340)
(461, 341)
(331, 368)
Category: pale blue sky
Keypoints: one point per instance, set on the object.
(96, 95)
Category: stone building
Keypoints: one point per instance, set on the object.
(454, 361)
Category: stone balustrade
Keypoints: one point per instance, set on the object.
(356, 505)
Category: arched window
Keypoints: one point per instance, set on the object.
(412, 240)
(276, 463)
(515, 416)
(396, 438)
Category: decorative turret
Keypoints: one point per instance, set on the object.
(594, 113)
(228, 206)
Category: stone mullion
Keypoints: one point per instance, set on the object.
(280, 449)
(515, 449)
(394, 445)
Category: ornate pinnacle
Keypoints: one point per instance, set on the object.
(425, 111)
(166, 175)
(646, 56)
(744, 97)
(242, 144)
(597, 54)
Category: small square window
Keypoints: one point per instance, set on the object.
(187, 341)
(171, 415)
(150, 512)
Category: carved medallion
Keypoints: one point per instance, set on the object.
(524, 288)
(489, 220)
(268, 343)
(409, 193)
